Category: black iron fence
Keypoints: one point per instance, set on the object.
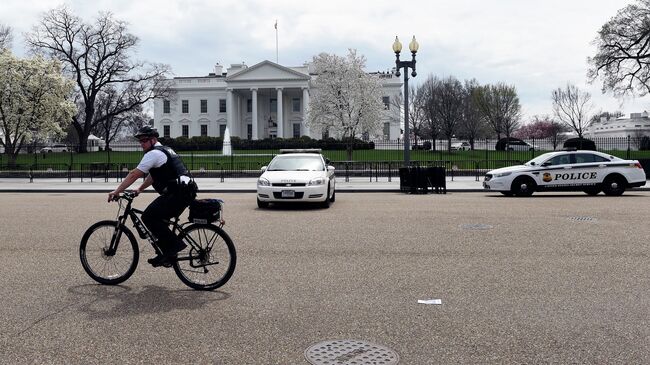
(381, 161)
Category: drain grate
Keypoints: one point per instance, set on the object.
(476, 226)
(582, 219)
(350, 352)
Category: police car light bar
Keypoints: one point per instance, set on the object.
(300, 150)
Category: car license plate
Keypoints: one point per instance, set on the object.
(288, 193)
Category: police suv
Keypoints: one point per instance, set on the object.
(588, 171)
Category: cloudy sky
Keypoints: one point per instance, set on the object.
(534, 45)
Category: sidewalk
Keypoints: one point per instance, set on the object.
(357, 184)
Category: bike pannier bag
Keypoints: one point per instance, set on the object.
(204, 211)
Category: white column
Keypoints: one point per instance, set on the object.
(305, 108)
(229, 110)
(279, 114)
(254, 112)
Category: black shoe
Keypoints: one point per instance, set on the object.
(162, 260)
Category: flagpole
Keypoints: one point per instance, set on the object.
(276, 41)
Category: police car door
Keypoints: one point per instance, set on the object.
(556, 171)
(587, 169)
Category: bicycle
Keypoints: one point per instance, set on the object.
(206, 263)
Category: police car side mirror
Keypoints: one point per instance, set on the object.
(532, 163)
(263, 168)
(330, 168)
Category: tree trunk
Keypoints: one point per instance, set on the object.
(350, 150)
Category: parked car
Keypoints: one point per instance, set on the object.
(582, 170)
(55, 148)
(461, 146)
(297, 176)
(520, 146)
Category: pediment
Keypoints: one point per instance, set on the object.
(267, 70)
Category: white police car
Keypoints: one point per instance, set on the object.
(588, 171)
(297, 176)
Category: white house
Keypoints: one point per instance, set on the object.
(636, 126)
(246, 100)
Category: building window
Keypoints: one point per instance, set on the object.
(386, 130)
(204, 130)
(295, 105)
(296, 130)
(204, 106)
(249, 131)
(249, 106)
(166, 131)
(274, 105)
(222, 130)
(166, 107)
(185, 106)
(186, 131)
(386, 100)
(222, 105)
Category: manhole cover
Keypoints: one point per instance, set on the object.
(476, 226)
(350, 352)
(582, 219)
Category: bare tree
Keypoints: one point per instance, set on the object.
(111, 126)
(431, 122)
(572, 107)
(447, 104)
(622, 58)
(6, 37)
(473, 124)
(416, 111)
(97, 57)
(499, 105)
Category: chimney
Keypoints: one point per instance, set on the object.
(218, 69)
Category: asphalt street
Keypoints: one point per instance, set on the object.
(555, 278)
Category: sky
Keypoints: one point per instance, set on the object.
(536, 46)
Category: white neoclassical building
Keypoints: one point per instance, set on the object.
(636, 126)
(266, 100)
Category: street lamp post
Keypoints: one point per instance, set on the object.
(397, 48)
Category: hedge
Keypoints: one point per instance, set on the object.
(216, 143)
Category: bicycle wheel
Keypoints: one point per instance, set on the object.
(100, 263)
(209, 259)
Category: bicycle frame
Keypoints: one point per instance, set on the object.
(144, 233)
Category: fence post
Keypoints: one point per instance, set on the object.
(486, 150)
(347, 171)
(390, 170)
(628, 147)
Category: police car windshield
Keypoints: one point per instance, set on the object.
(536, 161)
(296, 163)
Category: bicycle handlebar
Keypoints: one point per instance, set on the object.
(127, 195)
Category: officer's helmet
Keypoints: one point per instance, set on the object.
(147, 131)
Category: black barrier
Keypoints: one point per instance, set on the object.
(418, 180)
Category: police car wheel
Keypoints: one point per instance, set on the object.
(523, 186)
(614, 185)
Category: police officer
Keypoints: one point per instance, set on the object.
(171, 179)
